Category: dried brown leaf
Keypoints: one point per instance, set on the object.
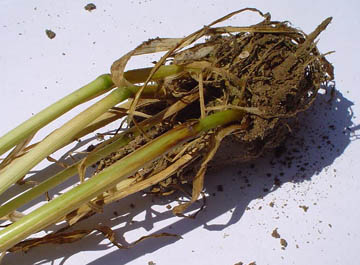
(198, 181)
(61, 237)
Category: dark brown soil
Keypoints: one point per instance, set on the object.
(50, 34)
(90, 7)
(275, 234)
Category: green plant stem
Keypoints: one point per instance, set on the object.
(60, 177)
(72, 170)
(71, 200)
(101, 84)
(149, 91)
(19, 167)
(141, 74)
(110, 146)
(97, 87)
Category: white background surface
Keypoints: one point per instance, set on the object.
(237, 223)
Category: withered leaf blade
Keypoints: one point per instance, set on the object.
(61, 237)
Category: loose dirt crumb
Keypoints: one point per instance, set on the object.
(305, 208)
(239, 263)
(90, 7)
(283, 243)
(151, 263)
(275, 233)
(271, 204)
(252, 263)
(51, 34)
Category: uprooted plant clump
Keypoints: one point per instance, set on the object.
(270, 76)
(268, 72)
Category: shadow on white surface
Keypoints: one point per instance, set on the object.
(321, 137)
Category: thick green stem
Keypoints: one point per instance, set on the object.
(68, 172)
(71, 200)
(20, 166)
(61, 177)
(141, 74)
(110, 146)
(101, 84)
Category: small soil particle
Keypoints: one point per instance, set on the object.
(283, 243)
(220, 188)
(51, 34)
(275, 233)
(90, 7)
(305, 208)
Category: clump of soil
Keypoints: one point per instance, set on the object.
(283, 243)
(275, 233)
(90, 7)
(50, 34)
(305, 208)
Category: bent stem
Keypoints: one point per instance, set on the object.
(109, 177)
